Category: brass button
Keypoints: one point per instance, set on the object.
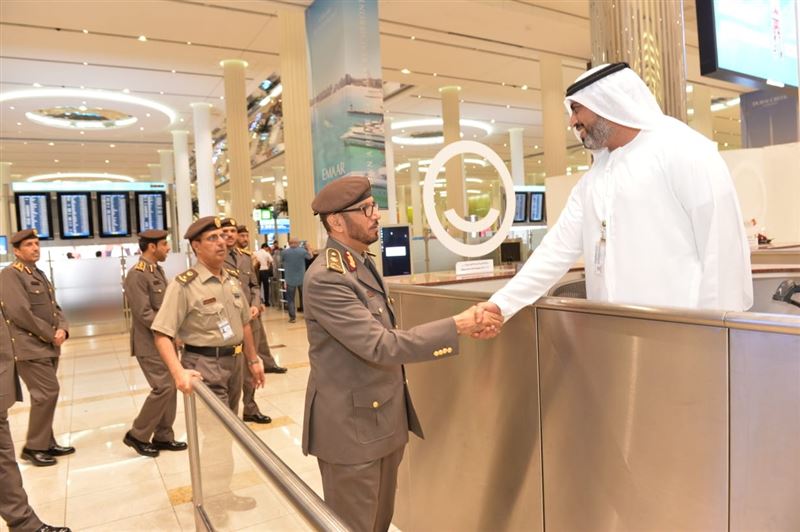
(375, 404)
(449, 350)
(380, 310)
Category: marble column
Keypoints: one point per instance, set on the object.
(554, 117)
(702, 119)
(454, 169)
(5, 200)
(649, 36)
(297, 124)
(206, 190)
(155, 171)
(239, 174)
(182, 193)
(167, 166)
(517, 156)
(416, 198)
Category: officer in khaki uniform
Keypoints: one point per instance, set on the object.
(37, 329)
(145, 285)
(14, 507)
(239, 264)
(206, 308)
(358, 409)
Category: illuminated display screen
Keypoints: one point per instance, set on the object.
(33, 212)
(74, 214)
(112, 210)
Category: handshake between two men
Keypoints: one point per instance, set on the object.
(482, 321)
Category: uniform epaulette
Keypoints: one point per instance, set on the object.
(333, 260)
(140, 266)
(232, 272)
(245, 252)
(186, 277)
(18, 266)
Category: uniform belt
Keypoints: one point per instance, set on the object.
(223, 351)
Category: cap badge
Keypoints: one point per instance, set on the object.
(217, 222)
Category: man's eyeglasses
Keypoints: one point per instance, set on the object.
(368, 209)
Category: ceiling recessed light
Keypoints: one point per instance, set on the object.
(435, 74)
(85, 31)
(535, 146)
(189, 43)
(19, 123)
(112, 145)
(85, 63)
(107, 161)
(147, 115)
(141, 128)
(142, 38)
(524, 87)
(405, 71)
(36, 84)
(11, 107)
(492, 120)
(51, 143)
(222, 97)
(55, 160)
(173, 70)
(508, 106)
(83, 132)
(126, 91)
(181, 119)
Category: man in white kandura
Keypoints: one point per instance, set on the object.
(656, 218)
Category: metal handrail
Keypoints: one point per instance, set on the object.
(301, 496)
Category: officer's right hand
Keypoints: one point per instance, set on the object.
(257, 374)
(183, 380)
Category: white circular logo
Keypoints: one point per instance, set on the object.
(454, 245)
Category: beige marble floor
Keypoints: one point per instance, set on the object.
(107, 486)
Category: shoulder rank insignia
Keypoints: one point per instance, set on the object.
(350, 260)
(232, 272)
(333, 260)
(244, 252)
(186, 277)
(140, 266)
(18, 266)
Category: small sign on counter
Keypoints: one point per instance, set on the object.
(470, 267)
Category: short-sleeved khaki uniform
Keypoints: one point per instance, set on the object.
(194, 306)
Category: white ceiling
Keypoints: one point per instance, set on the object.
(476, 44)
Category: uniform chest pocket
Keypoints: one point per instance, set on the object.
(38, 294)
(375, 412)
(156, 296)
(209, 314)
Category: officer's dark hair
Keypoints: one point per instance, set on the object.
(264, 245)
(324, 219)
(144, 242)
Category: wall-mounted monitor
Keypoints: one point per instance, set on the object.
(396, 250)
(752, 43)
(33, 212)
(537, 212)
(75, 215)
(520, 207)
(151, 211)
(3, 245)
(112, 214)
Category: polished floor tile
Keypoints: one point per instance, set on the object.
(105, 485)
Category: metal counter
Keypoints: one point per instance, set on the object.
(592, 416)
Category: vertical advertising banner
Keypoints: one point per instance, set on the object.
(346, 93)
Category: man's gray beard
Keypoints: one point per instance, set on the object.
(597, 137)
(358, 234)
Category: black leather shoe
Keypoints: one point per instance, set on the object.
(38, 458)
(258, 418)
(169, 445)
(276, 369)
(142, 447)
(58, 450)
(51, 528)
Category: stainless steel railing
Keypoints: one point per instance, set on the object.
(297, 492)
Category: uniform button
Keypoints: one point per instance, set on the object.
(380, 310)
(375, 404)
(437, 353)
(449, 350)
(30, 334)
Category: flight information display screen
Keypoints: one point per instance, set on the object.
(33, 212)
(75, 215)
(520, 207)
(112, 209)
(151, 211)
(537, 214)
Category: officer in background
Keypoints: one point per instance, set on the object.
(358, 409)
(37, 329)
(145, 285)
(239, 264)
(14, 507)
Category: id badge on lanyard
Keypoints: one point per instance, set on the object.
(225, 328)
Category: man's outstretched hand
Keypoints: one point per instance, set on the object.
(488, 320)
